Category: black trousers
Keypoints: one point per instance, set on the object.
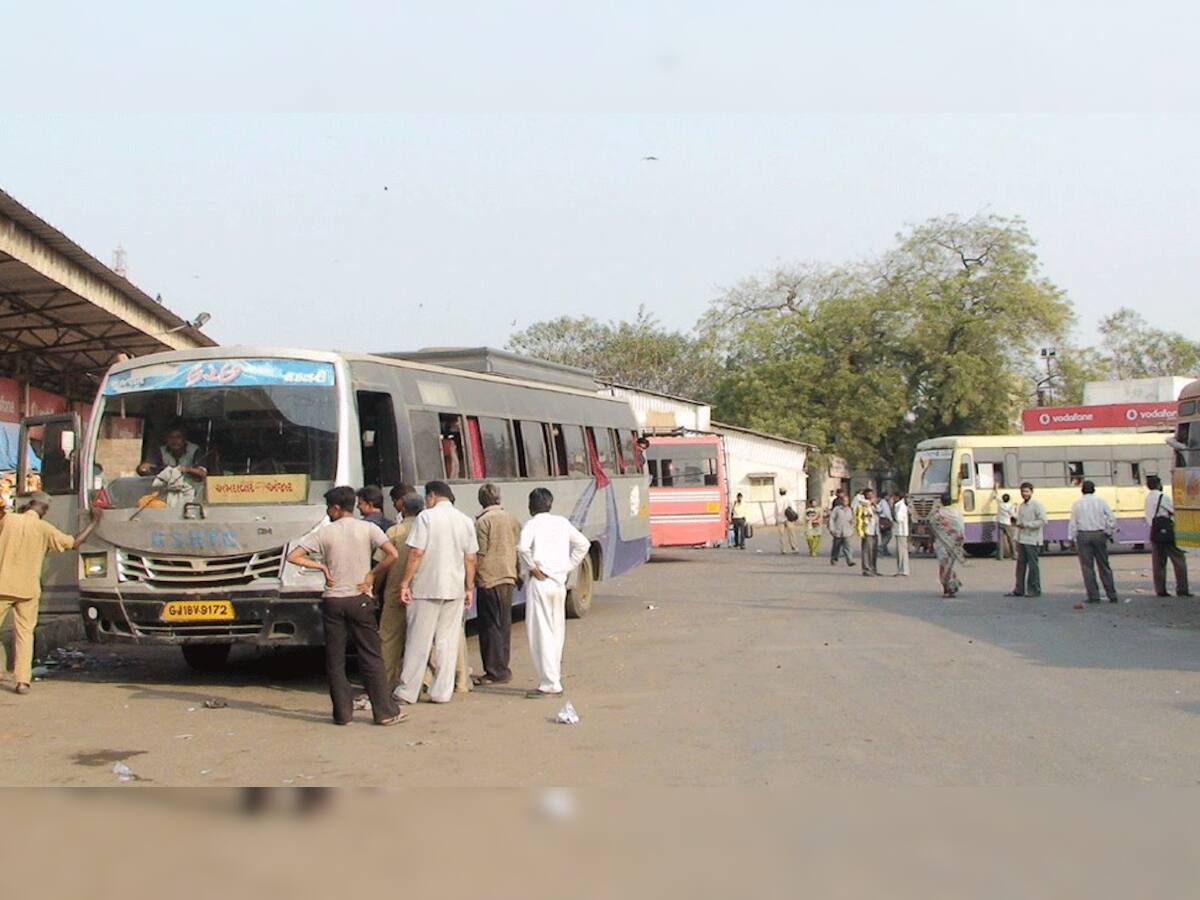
(739, 533)
(1092, 547)
(353, 618)
(494, 611)
(1029, 573)
(1159, 554)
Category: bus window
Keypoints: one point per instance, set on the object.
(574, 449)
(931, 472)
(614, 438)
(558, 448)
(475, 462)
(1127, 473)
(635, 459)
(533, 448)
(380, 450)
(604, 450)
(454, 450)
(499, 452)
(427, 445)
(966, 477)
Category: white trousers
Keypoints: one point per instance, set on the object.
(437, 626)
(546, 625)
(901, 555)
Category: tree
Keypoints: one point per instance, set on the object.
(932, 338)
(1132, 349)
(640, 354)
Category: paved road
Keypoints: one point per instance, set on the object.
(751, 669)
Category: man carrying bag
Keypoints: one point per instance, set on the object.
(1160, 512)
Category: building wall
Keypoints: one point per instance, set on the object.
(747, 455)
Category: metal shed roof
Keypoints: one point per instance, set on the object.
(64, 315)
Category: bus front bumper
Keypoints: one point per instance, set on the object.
(265, 620)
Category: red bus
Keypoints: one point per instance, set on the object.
(689, 506)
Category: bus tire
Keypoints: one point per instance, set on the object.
(579, 598)
(206, 657)
(980, 550)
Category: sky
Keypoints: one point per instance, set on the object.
(379, 176)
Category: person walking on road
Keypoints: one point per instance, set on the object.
(841, 529)
(737, 515)
(1031, 522)
(812, 527)
(1091, 527)
(866, 525)
(25, 539)
(550, 549)
(1160, 516)
(786, 518)
(1006, 519)
(948, 536)
(346, 546)
(437, 586)
(902, 531)
(497, 533)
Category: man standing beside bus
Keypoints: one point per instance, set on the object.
(438, 584)
(785, 520)
(1091, 527)
(346, 547)
(550, 549)
(25, 539)
(737, 516)
(1031, 522)
(1160, 512)
(901, 532)
(497, 533)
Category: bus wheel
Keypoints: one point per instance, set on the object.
(579, 598)
(206, 657)
(980, 550)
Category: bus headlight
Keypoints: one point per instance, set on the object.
(94, 565)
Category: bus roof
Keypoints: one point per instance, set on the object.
(1190, 391)
(1070, 439)
(334, 356)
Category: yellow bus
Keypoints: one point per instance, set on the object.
(1185, 481)
(975, 470)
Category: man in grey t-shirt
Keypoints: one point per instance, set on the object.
(439, 578)
(346, 547)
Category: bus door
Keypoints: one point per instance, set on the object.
(48, 460)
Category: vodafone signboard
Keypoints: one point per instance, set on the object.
(1113, 415)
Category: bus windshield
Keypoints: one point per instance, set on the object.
(682, 465)
(167, 445)
(931, 472)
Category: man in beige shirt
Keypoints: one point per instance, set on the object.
(25, 539)
(497, 532)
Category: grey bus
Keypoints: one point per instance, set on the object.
(211, 463)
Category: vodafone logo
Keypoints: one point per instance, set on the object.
(1131, 415)
(1044, 418)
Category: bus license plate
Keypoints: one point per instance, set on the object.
(197, 611)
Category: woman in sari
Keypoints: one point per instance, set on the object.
(947, 525)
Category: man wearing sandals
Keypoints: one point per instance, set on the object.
(25, 539)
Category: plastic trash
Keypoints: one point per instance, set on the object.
(123, 772)
(651, 606)
(362, 701)
(567, 715)
(40, 671)
(215, 703)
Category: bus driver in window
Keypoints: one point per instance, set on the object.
(176, 452)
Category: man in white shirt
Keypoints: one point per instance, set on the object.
(1158, 506)
(901, 529)
(1006, 517)
(438, 584)
(1031, 524)
(550, 548)
(786, 518)
(1092, 525)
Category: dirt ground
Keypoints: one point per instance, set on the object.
(712, 667)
